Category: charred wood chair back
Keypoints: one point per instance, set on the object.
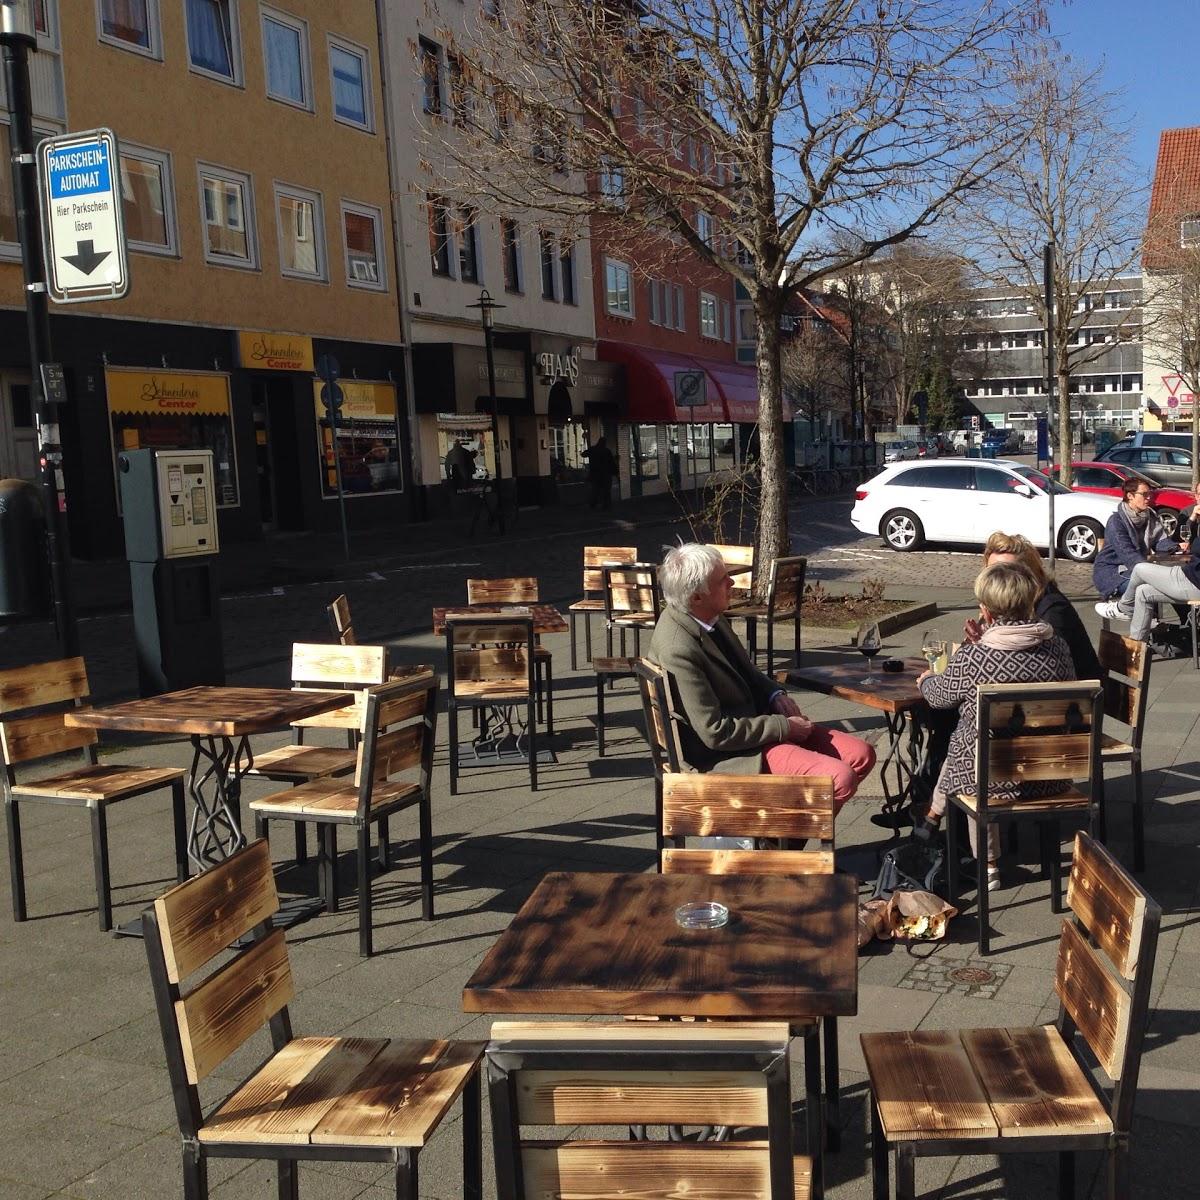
(987, 1091)
(1032, 733)
(1126, 666)
(742, 590)
(398, 733)
(320, 667)
(662, 731)
(614, 1078)
(33, 703)
(340, 621)
(592, 601)
(314, 1098)
(490, 665)
(632, 600)
(783, 602)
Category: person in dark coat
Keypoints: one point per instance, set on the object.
(602, 470)
(1132, 534)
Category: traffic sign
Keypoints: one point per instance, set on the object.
(54, 383)
(332, 395)
(83, 233)
(690, 389)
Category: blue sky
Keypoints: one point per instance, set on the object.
(1145, 46)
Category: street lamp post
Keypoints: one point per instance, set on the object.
(18, 37)
(487, 306)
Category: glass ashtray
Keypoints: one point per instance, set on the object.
(701, 914)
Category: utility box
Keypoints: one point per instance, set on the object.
(24, 566)
(168, 504)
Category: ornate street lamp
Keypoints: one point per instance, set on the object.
(487, 306)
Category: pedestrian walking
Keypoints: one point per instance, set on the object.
(602, 470)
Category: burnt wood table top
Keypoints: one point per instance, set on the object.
(896, 692)
(605, 943)
(212, 711)
(546, 618)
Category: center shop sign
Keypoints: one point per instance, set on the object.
(275, 351)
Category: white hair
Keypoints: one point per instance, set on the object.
(685, 572)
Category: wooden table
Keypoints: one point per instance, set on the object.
(213, 717)
(898, 698)
(588, 943)
(546, 618)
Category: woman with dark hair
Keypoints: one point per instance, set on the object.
(1132, 534)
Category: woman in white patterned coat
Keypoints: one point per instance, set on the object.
(1015, 647)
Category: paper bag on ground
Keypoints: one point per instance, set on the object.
(917, 916)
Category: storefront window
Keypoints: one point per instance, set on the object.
(367, 441)
(175, 410)
(475, 434)
(567, 444)
(723, 438)
(643, 450)
(699, 440)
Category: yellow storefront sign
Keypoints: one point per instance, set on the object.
(166, 393)
(362, 400)
(275, 351)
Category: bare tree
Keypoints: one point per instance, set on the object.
(1073, 188)
(755, 133)
(814, 363)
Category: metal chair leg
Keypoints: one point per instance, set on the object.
(981, 906)
(1066, 1175)
(472, 1132)
(600, 715)
(179, 822)
(426, 850)
(289, 1182)
(301, 842)
(327, 865)
(406, 1175)
(364, 889)
(452, 721)
(906, 1175)
(532, 735)
(879, 1156)
(385, 844)
(1055, 848)
(195, 1173)
(833, 1108)
(1138, 816)
(549, 679)
(100, 862)
(574, 638)
(16, 862)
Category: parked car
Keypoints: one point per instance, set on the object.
(1106, 478)
(959, 502)
(1005, 441)
(929, 448)
(1168, 466)
(1156, 437)
(900, 451)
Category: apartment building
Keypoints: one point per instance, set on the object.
(255, 186)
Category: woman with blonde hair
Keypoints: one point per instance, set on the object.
(1014, 646)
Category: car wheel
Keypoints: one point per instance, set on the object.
(1170, 519)
(902, 530)
(1080, 539)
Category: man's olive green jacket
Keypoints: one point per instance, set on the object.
(727, 722)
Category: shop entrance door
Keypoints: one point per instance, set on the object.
(263, 457)
(18, 437)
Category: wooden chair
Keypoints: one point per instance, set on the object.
(991, 1091)
(398, 733)
(608, 671)
(521, 590)
(340, 622)
(1126, 666)
(742, 591)
(662, 732)
(33, 703)
(314, 1098)
(1031, 732)
(631, 601)
(778, 808)
(785, 597)
(594, 558)
(556, 1075)
(490, 665)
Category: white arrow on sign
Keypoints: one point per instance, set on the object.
(82, 227)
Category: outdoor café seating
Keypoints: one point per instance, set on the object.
(592, 601)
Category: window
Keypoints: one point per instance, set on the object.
(351, 84)
(988, 479)
(9, 237)
(1189, 231)
(510, 252)
(566, 261)
(147, 204)
(227, 202)
(612, 182)
(468, 245)
(462, 104)
(301, 232)
(724, 455)
(547, 254)
(212, 38)
(618, 288)
(643, 450)
(431, 75)
(366, 440)
(680, 323)
(285, 58)
(705, 228)
(362, 226)
(439, 235)
(132, 24)
(747, 323)
(655, 305)
(708, 315)
(726, 321)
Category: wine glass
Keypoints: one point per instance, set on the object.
(933, 646)
(869, 645)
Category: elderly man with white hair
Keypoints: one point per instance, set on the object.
(739, 721)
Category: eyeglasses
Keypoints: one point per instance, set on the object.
(1143, 495)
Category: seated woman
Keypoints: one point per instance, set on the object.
(1013, 647)
(1132, 534)
(1151, 584)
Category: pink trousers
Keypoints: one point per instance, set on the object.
(826, 752)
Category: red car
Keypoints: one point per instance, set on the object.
(1105, 479)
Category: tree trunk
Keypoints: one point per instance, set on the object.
(1066, 439)
(771, 540)
(1195, 440)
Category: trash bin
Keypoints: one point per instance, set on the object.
(24, 569)
(988, 451)
(974, 451)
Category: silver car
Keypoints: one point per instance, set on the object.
(900, 452)
(1170, 466)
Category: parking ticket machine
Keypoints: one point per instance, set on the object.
(168, 504)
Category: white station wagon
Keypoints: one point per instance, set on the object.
(908, 504)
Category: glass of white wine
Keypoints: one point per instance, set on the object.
(933, 647)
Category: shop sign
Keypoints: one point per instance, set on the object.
(552, 367)
(362, 400)
(275, 351)
(163, 393)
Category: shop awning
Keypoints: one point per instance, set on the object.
(650, 378)
(739, 387)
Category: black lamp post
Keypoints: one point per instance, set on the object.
(487, 306)
(18, 37)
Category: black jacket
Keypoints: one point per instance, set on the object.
(1059, 613)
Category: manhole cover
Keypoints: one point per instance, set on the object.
(973, 976)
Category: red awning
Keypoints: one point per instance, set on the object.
(650, 384)
(739, 387)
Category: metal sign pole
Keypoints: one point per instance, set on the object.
(332, 398)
